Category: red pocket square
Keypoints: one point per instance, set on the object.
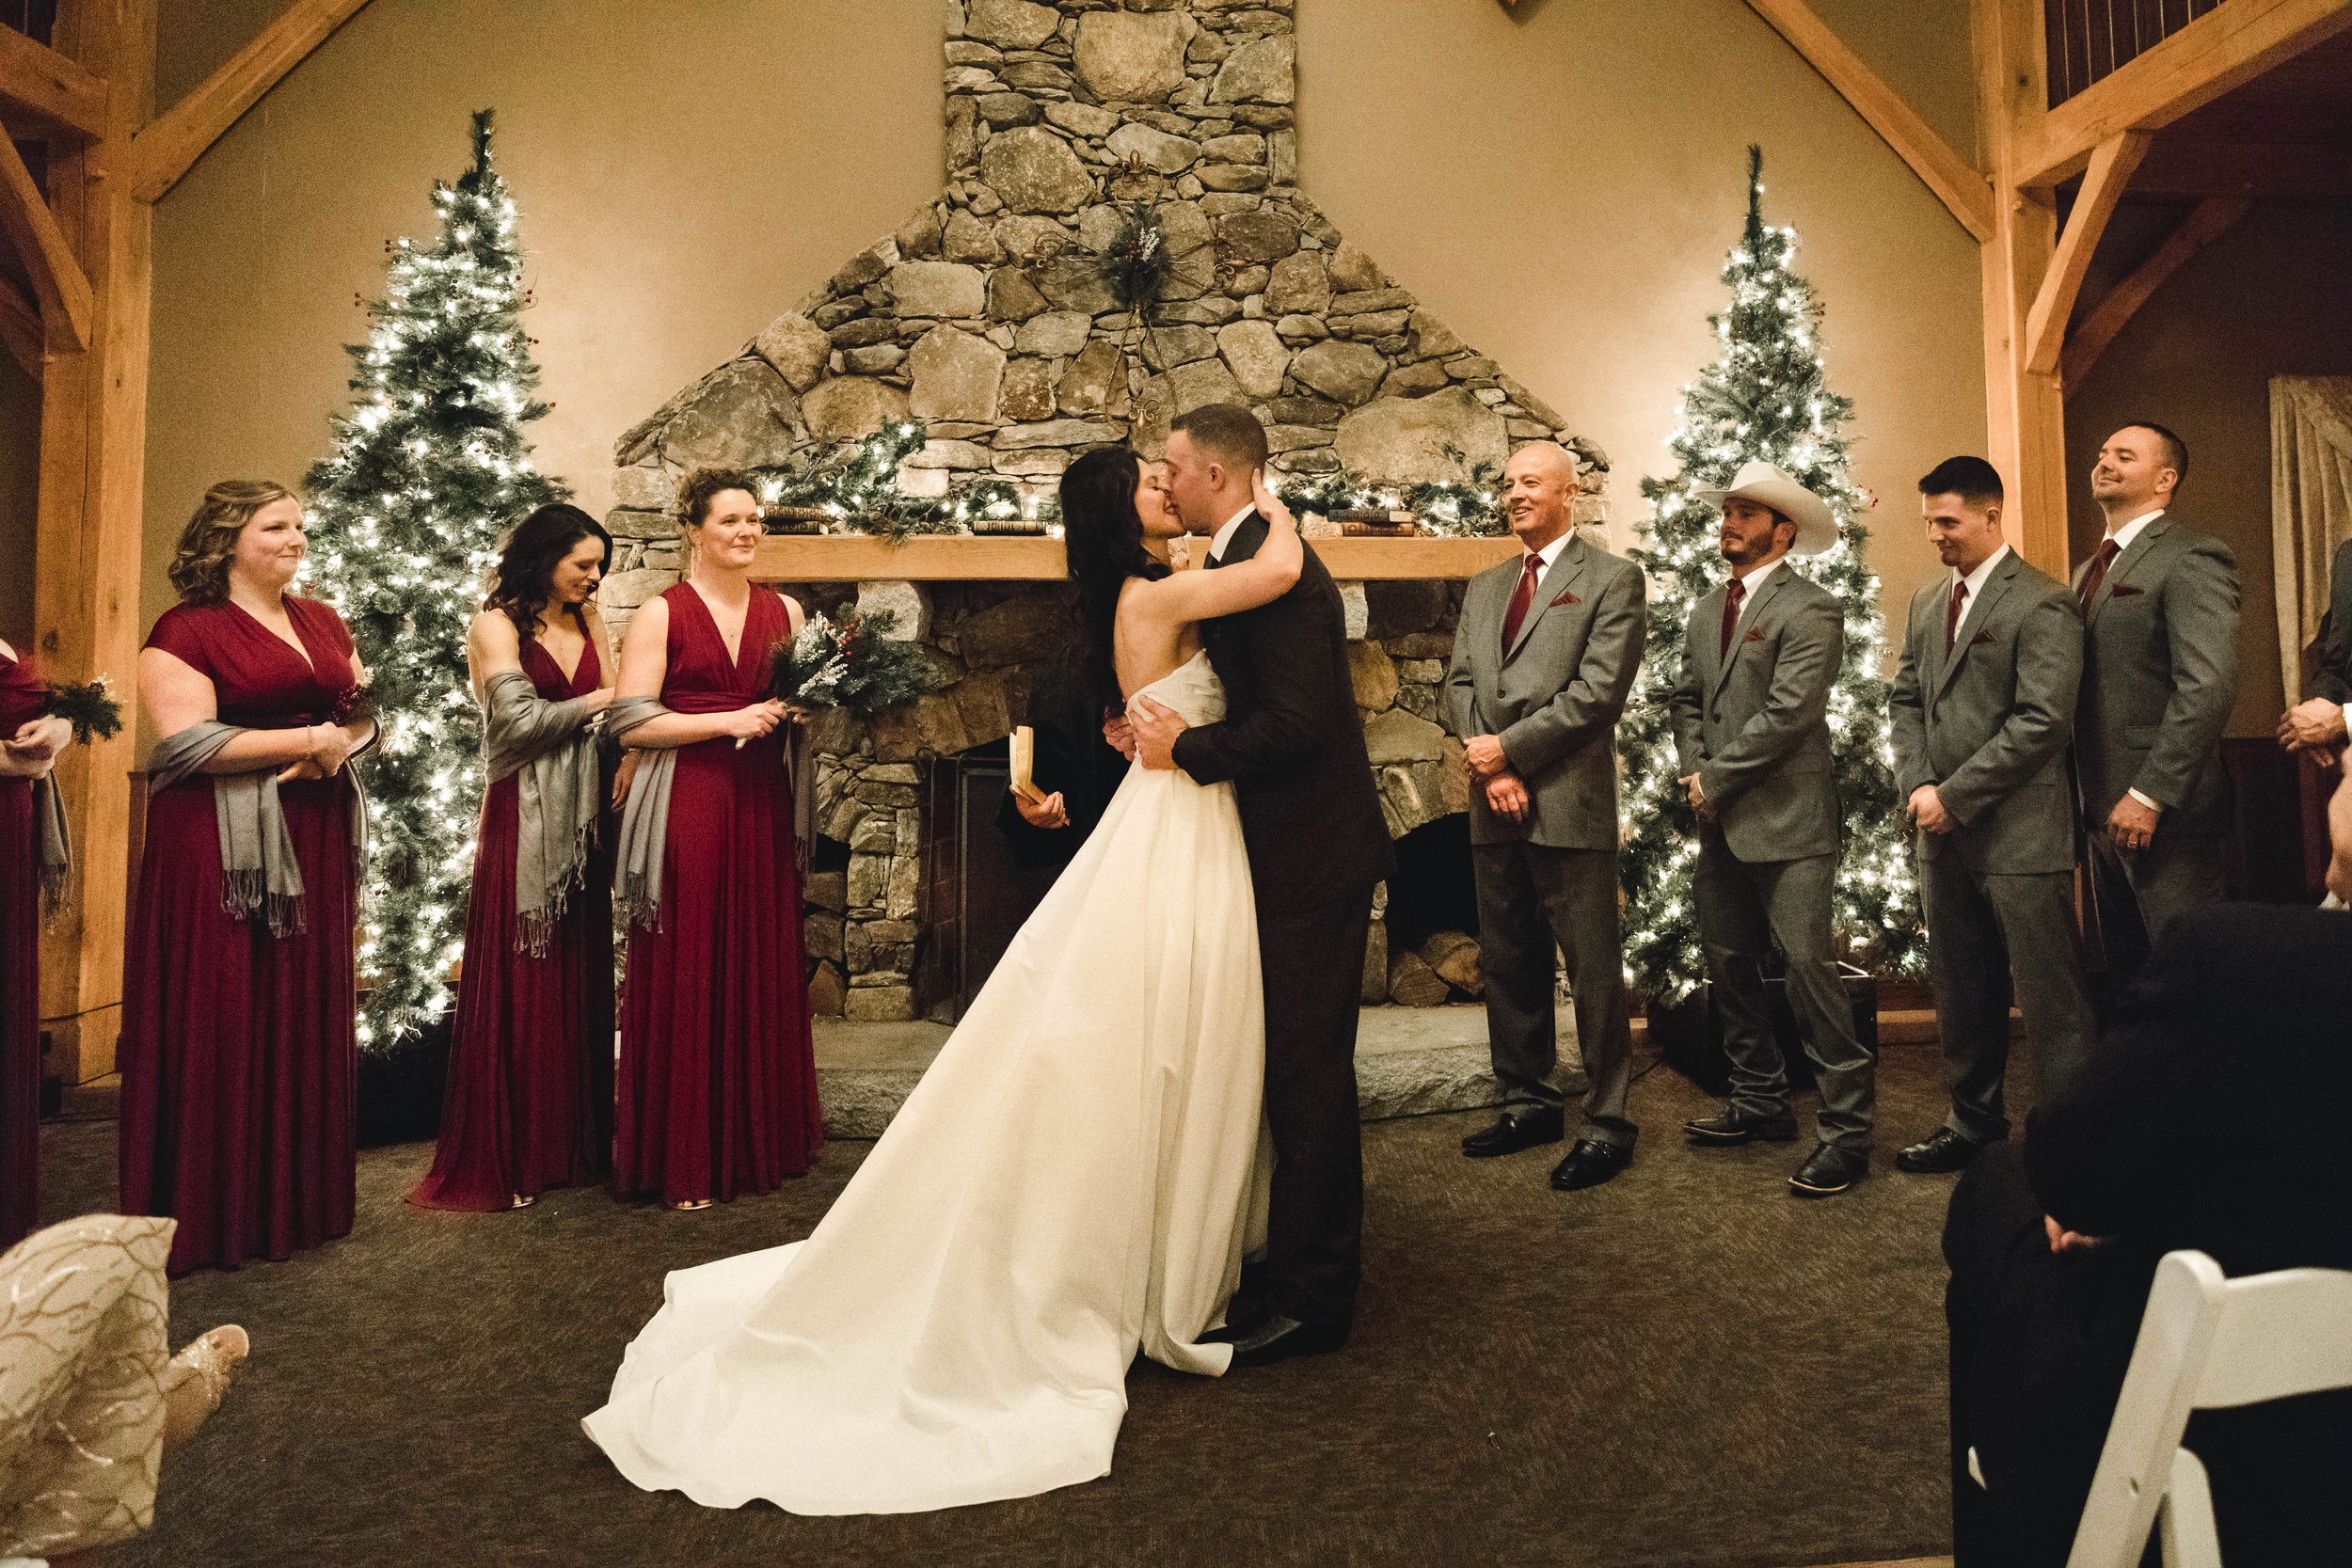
(1753, 636)
(2123, 591)
(1566, 597)
(1983, 640)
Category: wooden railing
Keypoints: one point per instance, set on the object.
(2089, 38)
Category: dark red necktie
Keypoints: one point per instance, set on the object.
(1951, 616)
(1736, 592)
(1521, 597)
(2098, 572)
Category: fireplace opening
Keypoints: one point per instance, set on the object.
(1432, 918)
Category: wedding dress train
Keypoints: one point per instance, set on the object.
(1075, 1177)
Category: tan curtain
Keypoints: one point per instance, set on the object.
(2310, 504)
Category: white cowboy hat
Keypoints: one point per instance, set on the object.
(1766, 485)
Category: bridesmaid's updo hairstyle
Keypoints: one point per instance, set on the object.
(523, 579)
(1104, 535)
(697, 490)
(199, 567)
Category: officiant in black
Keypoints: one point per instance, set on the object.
(1076, 773)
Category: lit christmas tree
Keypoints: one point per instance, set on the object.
(1765, 398)
(427, 472)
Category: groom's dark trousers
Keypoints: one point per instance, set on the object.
(1294, 748)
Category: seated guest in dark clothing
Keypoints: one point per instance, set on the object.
(1074, 769)
(2212, 1118)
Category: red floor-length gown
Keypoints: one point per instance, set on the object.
(22, 695)
(530, 1103)
(240, 1049)
(718, 1078)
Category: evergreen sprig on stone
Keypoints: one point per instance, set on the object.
(429, 467)
(1766, 397)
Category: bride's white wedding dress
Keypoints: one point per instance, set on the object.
(1071, 1180)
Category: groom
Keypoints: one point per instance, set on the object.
(1294, 748)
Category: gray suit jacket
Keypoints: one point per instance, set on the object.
(2333, 678)
(1988, 723)
(2160, 676)
(1755, 726)
(1553, 699)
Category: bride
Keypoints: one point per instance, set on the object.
(1076, 1177)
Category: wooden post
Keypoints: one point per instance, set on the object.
(2025, 414)
(93, 442)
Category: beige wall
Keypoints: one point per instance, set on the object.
(1560, 185)
(2273, 296)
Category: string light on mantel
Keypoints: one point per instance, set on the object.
(1767, 397)
(428, 470)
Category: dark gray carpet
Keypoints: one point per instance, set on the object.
(1686, 1367)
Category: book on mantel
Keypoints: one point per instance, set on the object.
(1376, 525)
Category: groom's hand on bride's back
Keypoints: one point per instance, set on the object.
(1118, 735)
(1155, 731)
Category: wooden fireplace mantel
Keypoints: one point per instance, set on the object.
(938, 558)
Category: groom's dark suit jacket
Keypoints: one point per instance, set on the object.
(1291, 741)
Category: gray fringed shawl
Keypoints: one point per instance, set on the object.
(258, 871)
(553, 747)
(57, 844)
(645, 819)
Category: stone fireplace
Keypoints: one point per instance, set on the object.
(987, 314)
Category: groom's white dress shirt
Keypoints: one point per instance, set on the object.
(1224, 534)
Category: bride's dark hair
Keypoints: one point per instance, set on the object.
(1104, 535)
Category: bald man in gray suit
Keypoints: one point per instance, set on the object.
(2160, 600)
(1544, 659)
(1751, 716)
(1983, 707)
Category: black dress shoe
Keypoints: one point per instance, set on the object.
(1240, 1324)
(1510, 1134)
(1279, 1339)
(1830, 1169)
(1590, 1164)
(1735, 1126)
(1940, 1152)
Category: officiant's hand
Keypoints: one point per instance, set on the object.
(1048, 813)
(1118, 735)
(1156, 729)
(1485, 755)
(1507, 797)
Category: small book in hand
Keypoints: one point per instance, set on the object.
(1023, 751)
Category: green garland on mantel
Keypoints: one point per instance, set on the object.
(852, 487)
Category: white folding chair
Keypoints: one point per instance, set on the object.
(2206, 1341)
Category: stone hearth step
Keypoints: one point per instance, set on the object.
(1409, 1062)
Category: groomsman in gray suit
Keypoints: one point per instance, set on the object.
(1984, 705)
(2159, 676)
(1750, 718)
(1544, 658)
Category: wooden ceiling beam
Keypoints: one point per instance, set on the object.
(167, 149)
(2182, 166)
(2110, 172)
(2100, 328)
(1965, 193)
(2232, 43)
(21, 329)
(43, 91)
(27, 224)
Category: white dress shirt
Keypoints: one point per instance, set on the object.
(1752, 582)
(2123, 537)
(1970, 586)
(1224, 534)
(1549, 553)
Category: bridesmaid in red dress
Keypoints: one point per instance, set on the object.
(240, 1045)
(530, 1102)
(29, 745)
(718, 1079)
